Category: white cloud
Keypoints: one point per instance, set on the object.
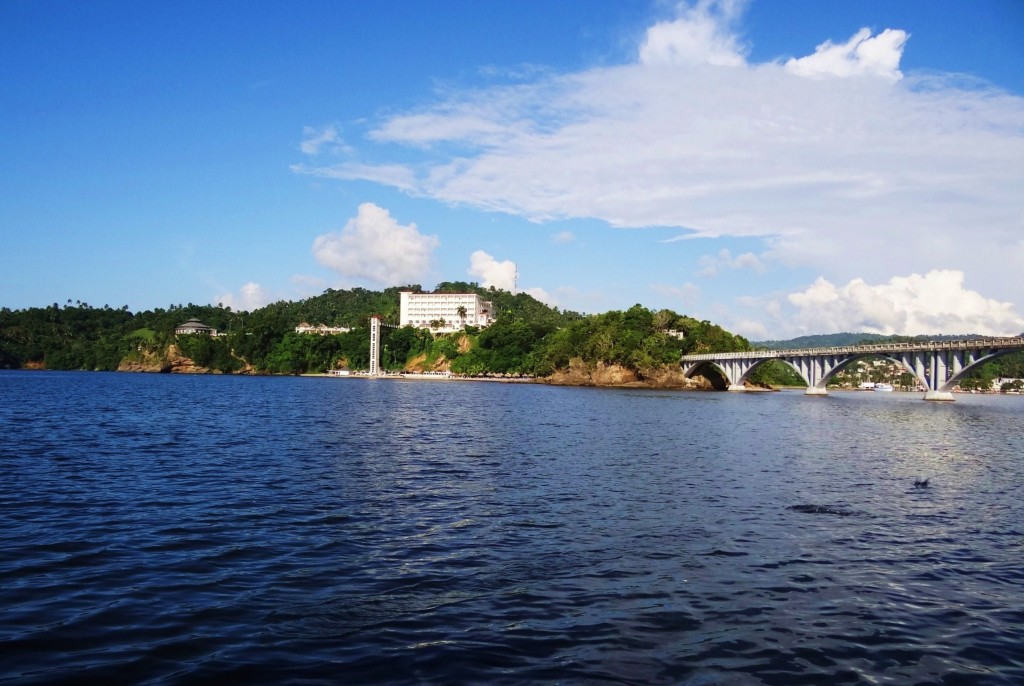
(862, 54)
(373, 246)
(867, 177)
(699, 35)
(314, 140)
(491, 272)
(395, 175)
(933, 303)
(251, 296)
(503, 275)
(563, 237)
(711, 265)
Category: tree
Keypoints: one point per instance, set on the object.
(1015, 386)
(907, 381)
(527, 337)
(776, 373)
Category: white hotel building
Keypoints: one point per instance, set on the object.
(420, 309)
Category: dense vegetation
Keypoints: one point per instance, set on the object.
(637, 339)
(78, 336)
(528, 338)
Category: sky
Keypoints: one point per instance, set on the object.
(781, 168)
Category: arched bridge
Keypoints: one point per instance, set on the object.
(937, 365)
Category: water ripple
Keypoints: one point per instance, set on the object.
(165, 530)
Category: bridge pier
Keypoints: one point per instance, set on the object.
(814, 390)
(939, 395)
(736, 388)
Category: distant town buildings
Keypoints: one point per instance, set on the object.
(875, 374)
(444, 312)
(1008, 385)
(194, 326)
(321, 329)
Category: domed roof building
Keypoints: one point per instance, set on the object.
(195, 326)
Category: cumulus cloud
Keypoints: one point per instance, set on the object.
(491, 272)
(699, 35)
(502, 274)
(249, 297)
(863, 54)
(711, 265)
(936, 302)
(375, 247)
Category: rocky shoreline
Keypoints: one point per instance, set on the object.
(171, 362)
(579, 373)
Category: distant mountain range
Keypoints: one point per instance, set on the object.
(831, 340)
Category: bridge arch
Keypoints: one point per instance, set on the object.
(921, 379)
(921, 373)
(758, 362)
(689, 371)
(939, 372)
(827, 371)
(955, 378)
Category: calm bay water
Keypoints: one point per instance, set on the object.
(165, 530)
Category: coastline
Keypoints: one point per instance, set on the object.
(694, 385)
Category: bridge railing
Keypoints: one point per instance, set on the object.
(881, 348)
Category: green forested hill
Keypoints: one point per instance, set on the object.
(528, 337)
(829, 340)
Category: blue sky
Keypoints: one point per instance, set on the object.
(781, 168)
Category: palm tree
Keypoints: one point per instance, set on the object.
(462, 314)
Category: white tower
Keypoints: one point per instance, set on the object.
(375, 345)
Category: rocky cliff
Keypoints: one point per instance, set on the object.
(170, 361)
(581, 373)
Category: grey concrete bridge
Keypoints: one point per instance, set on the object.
(937, 365)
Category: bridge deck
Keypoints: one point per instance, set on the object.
(875, 348)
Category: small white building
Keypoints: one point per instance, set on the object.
(444, 312)
(997, 384)
(321, 329)
(193, 326)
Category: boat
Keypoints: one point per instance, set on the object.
(883, 387)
